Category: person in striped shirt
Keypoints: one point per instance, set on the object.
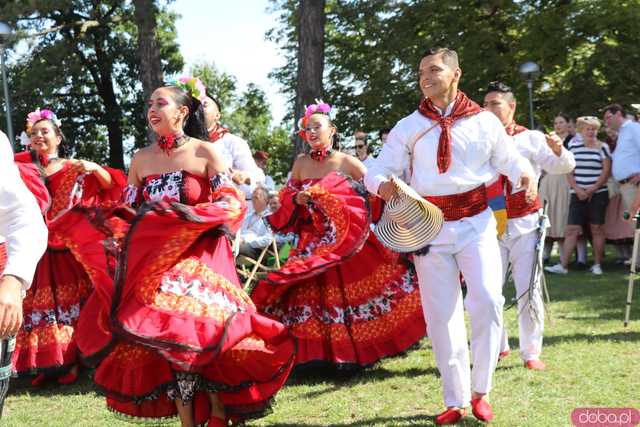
(589, 195)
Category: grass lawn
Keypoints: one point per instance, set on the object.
(592, 361)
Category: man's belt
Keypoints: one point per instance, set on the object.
(517, 205)
(461, 205)
(626, 180)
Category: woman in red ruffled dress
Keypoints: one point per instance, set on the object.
(348, 300)
(46, 343)
(174, 333)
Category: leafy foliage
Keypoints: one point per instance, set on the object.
(587, 50)
(247, 114)
(78, 57)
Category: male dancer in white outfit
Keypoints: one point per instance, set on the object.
(235, 151)
(517, 244)
(22, 226)
(453, 148)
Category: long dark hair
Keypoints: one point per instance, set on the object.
(195, 124)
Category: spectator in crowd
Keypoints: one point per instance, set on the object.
(383, 134)
(618, 232)
(262, 160)
(571, 127)
(554, 189)
(274, 202)
(589, 195)
(254, 234)
(362, 148)
(626, 158)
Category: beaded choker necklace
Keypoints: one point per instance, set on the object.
(321, 154)
(169, 142)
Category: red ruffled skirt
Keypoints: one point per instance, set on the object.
(46, 341)
(347, 299)
(176, 324)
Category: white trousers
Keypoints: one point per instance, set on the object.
(476, 254)
(520, 252)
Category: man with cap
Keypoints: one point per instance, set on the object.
(518, 243)
(22, 226)
(452, 148)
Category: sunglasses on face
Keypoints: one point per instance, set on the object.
(360, 146)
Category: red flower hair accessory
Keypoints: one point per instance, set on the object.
(320, 107)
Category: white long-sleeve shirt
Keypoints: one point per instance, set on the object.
(237, 155)
(626, 157)
(254, 230)
(480, 147)
(532, 145)
(21, 222)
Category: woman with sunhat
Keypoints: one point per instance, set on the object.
(347, 299)
(46, 344)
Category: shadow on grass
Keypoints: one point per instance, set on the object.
(22, 386)
(418, 420)
(376, 374)
(616, 336)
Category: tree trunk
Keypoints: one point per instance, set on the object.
(311, 22)
(148, 51)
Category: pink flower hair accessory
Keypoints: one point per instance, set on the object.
(44, 114)
(320, 107)
(192, 85)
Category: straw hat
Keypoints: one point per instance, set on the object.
(408, 222)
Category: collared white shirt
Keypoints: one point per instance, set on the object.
(480, 147)
(237, 155)
(368, 161)
(21, 222)
(532, 145)
(254, 230)
(625, 159)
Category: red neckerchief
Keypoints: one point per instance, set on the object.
(321, 154)
(169, 142)
(217, 133)
(462, 107)
(514, 129)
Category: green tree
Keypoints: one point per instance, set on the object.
(80, 60)
(247, 115)
(587, 50)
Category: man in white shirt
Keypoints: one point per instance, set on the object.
(22, 226)
(234, 150)
(625, 160)
(452, 148)
(254, 234)
(518, 243)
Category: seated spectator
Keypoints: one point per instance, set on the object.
(274, 205)
(589, 195)
(254, 234)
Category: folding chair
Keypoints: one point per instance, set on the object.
(252, 270)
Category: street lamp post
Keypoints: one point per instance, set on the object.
(5, 34)
(529, 70)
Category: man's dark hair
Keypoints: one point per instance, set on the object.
(497, 86)
(383, 131)
(449, 56)
(614, 109)
(209, 94)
